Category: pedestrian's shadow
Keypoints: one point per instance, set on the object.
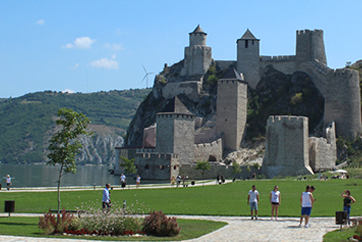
(293, 227)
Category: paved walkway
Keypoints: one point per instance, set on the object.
(238, 229)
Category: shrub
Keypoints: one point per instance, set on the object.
(158, 224)
(117, 221)
(52, 225)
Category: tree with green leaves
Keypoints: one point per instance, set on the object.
(128, 165)
(203, 166)
(64, 144)
(236, 168)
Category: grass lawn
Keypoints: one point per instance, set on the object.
(339, 235)
(29, 227)
(226, 199)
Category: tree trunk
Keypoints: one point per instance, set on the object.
(60, 178)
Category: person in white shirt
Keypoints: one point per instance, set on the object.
(123, 180)
(138, 181)
(306, 202)
(8, 182)
(106, 200)
(275, 200)
(253, 200)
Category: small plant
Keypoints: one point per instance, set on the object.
(158, 224)
(53, 225)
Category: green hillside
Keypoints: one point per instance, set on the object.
(25, 120)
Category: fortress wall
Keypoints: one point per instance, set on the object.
(197, 39)
(248, 61)
(231, 109)
(323, 152)
(190, 88)
(318, 51)
(215, 170)
(285, 64)
(197, 60)
(164, 137)
(322, 156)
(286, 151)
(209, 151)
(343, 102)
(184, 136)
(225, 64)
(157, 165)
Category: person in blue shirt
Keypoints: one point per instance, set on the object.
(106, 200)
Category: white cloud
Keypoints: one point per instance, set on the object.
(81, 43)
(40, 22)
(75, 66)
(68, 91)
(114, 47)
(106, 63)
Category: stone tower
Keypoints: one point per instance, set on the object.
(310, 46)
(343, 102)
(248, 58)
(231, 108)
(287, 146)
(197, 55)
(176, 131)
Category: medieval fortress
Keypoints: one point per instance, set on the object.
(175, 142)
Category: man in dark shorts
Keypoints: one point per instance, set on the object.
(306, 202)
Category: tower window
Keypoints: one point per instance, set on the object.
(252, 42)
(246, 43)
(147, 167)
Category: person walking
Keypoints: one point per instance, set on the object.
(348, 200)
(306, 202)
(138, 181)
(106, 200)
(253, 201)
(8, 182)
(123, 180)
(275, 200)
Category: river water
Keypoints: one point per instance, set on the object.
(48, 176)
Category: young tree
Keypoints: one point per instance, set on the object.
(64, 146)
(203, 166)
(236, 168)
(129, 167)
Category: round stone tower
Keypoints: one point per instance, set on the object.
(197, 56)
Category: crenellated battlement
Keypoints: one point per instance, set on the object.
(165, 156)
(345, 72)
(284, 118)
(175, 115)
(278, 58)
(308, 31)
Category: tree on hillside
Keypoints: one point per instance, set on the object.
(128, 165)
(203, 166)
(64, 146)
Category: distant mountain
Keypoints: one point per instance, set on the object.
(28, 122)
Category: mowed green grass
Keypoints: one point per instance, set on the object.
(227, 199)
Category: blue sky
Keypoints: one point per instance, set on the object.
(90, 46)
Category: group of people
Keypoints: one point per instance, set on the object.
(123, 177)
(178, 180)
(253, 201)
(306, 202)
